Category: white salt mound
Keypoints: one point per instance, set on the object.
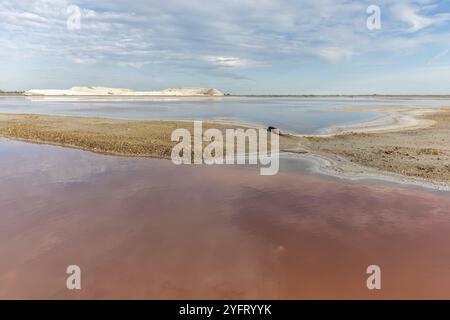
(103, 91)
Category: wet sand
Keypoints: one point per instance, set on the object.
(411, 143)
(393, 119)
(151, 230)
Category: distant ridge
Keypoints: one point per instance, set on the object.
(350, 96)
(207, 92)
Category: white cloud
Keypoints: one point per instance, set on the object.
(410, 15)
(135, 64)
(223, 31)
(84, 60)
(335, 54)
(217, 38)
(231, 62)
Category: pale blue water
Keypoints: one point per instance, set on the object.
(298, 115)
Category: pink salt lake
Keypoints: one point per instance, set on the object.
(147, 229)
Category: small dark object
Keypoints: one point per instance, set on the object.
(275, 131)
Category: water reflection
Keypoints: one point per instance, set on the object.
(296, 115)
(143, 228)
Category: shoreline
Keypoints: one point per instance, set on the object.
(229, 95)
(328, 166)
(358, 151)
(334, 156)
(128, 138)
(392, 119)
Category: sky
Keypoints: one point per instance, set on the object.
(237, 46)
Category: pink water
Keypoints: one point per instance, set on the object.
(147, 229)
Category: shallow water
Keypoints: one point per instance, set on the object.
(141, 228)
(298, 115)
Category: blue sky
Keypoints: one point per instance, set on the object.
(237, 46)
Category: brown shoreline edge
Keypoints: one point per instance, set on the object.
(420, 152)
(412, 146)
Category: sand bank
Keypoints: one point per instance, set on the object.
(411, 145)
(107, 136)
(407, 144)
(392, 119)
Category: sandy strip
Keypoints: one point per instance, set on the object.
(410, 145)
(392, 119)
(146, 138)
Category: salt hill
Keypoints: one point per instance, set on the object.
(104, 91)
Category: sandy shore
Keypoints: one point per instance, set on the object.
(106, 136)
(393, 119)
(411, 145)
(408, 144)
